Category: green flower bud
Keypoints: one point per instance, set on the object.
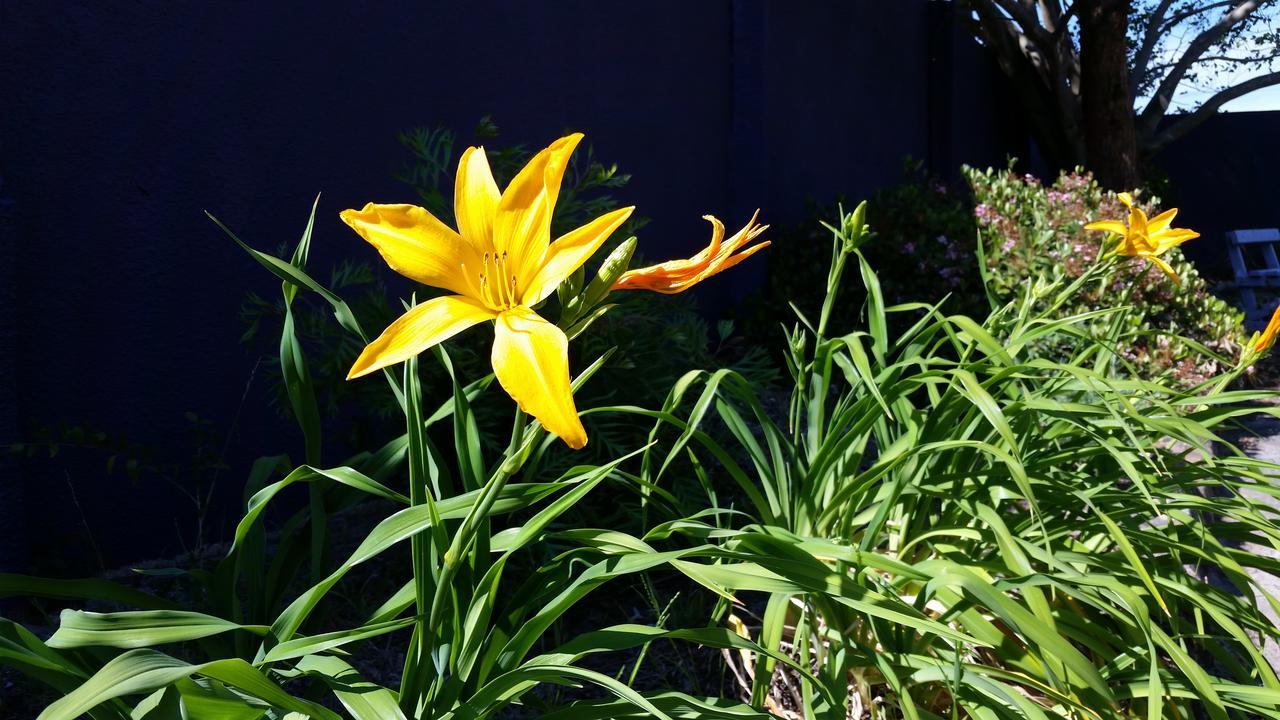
(614, 265)
(570, 287)
(798, 341)
(854, 230)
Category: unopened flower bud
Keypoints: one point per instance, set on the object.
(612, 269)
(570, 287)
(855, 230)
(798, 340)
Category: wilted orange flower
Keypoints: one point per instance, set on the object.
(1143, 237)
(676, 276)
(1268, 336)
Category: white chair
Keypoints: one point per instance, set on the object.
(1248, 279)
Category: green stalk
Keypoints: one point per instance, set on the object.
(471, 523)
(845, 241)
(1117, 327)
(840, 256)
(848, 238)
(421, 549)
(453, 560)
(1101, 268)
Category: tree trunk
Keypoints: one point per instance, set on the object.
(1110, 135)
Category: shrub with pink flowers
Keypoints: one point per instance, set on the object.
(1029, 230)
(925, 243)
(923, 248)
(933, 243)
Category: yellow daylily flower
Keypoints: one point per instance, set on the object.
(499, 264)
(1144, 237)
(675, 276)
(1263, 342)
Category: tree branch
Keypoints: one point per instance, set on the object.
(1229, 59)
(1187, 14)
(1027, 21)
(1065, 22)
(1150, 38)
(1008, 42)
(1211, 106)
(1235, 59)
(1163, 96)
(1257, 60)
(1040, 76)
(1050, 13)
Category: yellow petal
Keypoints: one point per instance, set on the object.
(1268, 336)
(1166, 239)
(531, 361)
(435, 320)
(1160, 263)
(1161, 221)
(1137, 221)
(417, 245)
(557, 162)
(1111, 226)
(522, 227)
(475, 199)
(570, 251)
(1125, 198)
(1136, 243)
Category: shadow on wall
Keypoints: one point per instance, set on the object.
(13, 540)
(126, 122)
(1224, 176)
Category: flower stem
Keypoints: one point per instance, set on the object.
(464, 538)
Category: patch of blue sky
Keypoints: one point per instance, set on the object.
(1194, 92)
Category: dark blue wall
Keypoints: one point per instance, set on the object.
(13, 546)
(122, 122)
(1224, 175)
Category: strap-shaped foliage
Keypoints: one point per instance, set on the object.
(942, 522)
(1057, 518)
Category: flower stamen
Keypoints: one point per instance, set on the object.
(497, 293)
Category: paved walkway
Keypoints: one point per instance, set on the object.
(1264, 444)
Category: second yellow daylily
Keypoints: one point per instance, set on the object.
(1143, 237)
(499, 264)
(1263, 341)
